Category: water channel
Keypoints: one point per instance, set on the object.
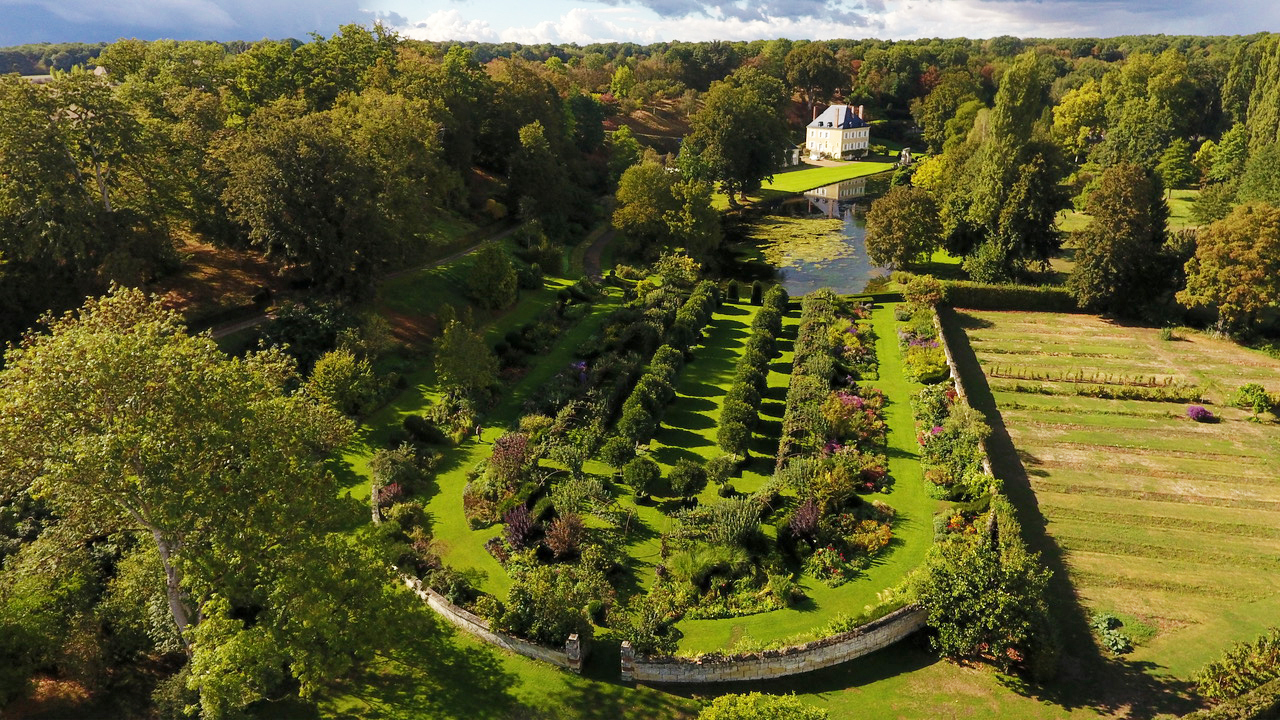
(828, 252)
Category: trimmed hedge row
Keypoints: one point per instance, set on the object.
(642, 410)
(812, 369)
(983, 296)
(741, 409)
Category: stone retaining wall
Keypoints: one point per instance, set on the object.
(570, 658)
(768, 664)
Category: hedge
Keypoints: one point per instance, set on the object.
(983, 296)
(741, 409)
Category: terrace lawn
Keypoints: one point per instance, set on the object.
(1172, 523)
(913, 527)
(795, 181)
(1180, 202)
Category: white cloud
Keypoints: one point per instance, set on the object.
(645, 21)
(450, 25)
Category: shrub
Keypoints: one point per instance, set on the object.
(733, 435)
(720, 468)
(617, 451)
(925, 364)
(399, 466)
(687, 478)
(565, 534)
(344, 381)
(546, 604)
(636, 423)
(923, 290)
(518, 526)
(424, 431)
(1252, 397)
(512, 454)
(1242, 668)
(757, 292)
(804, 523)
(1200, 414)
(731, 293)
(491, 281)
(757, 706)
(643, 475)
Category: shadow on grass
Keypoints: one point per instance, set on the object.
(687, 419)
(1086, 677)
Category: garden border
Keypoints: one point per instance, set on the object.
(959, 384)
(571, 658)
(794, 660)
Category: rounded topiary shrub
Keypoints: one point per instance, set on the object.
(642, 474)
(731, 292)
(757, 292)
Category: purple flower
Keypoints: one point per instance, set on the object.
(1199, 413)
(832, 447)
(936, 430)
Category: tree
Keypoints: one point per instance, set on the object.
(344, 381)
(1236, 267)
(305, 195)
(932, 113)
(902, 226)
(657, 210)
(492, 280)
(812, 69)
(687, 478)
(623, 82)
(624, 151)
(1079, 118)
(757, 706)
(124, 423)
(464, 360)
(1175, 167)
(1119, 264)
(1261, 179)
(1229, 155)
(740, 131)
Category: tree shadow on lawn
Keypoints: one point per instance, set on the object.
(672, 454)
(702, 390)
(430, 674)
(732, 309)
(593, 697)
(783, 368)
(1086, 678)
(778, 394)
(687, 419)
(695, 404)
(773, 409)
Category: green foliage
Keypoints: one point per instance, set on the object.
(491, 282)
(547, 603)
(756, 706)
(643, 475)
(923, 290)
(617, 451)
(1253, 397)
(1175, 168)
(985, 595)
(345, 382)
(1242, 668)
(1236, 267)
(742, 153)
(687, 478)
(1260, 182)
(926, 365)
(983, 296)
(1108, 627)
(1120, 266)
(902, 226)
(464, 360)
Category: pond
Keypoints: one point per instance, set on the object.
(816, 240)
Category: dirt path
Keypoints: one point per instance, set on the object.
(246, 323)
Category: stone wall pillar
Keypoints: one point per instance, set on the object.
(628, 662)
(573, 650)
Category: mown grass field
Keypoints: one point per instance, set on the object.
(1180, 202)
(1170, 523)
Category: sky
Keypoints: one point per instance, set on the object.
(641, 21)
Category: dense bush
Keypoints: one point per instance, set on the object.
(547, 603)
(983, 296)
(757, 706)
(1244, 667)
(1253, 397)
(643, 475)
(687, 478)
(1201, 414)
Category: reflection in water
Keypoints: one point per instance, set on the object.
(815, 257)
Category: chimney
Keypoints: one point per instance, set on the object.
(862, 112)
(815, 112)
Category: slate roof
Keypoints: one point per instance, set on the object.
(838, 116)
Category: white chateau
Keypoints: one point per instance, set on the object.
(840, 131)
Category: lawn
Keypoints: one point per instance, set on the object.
(795, 181)
(1171, 523)
(1180, 202)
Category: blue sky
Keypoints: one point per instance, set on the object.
(583, 21)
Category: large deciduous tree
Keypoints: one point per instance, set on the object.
(123, 423)
(1120, 265)
(1236, 268)
(658, 210)
(902, 226)
(740, 132)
